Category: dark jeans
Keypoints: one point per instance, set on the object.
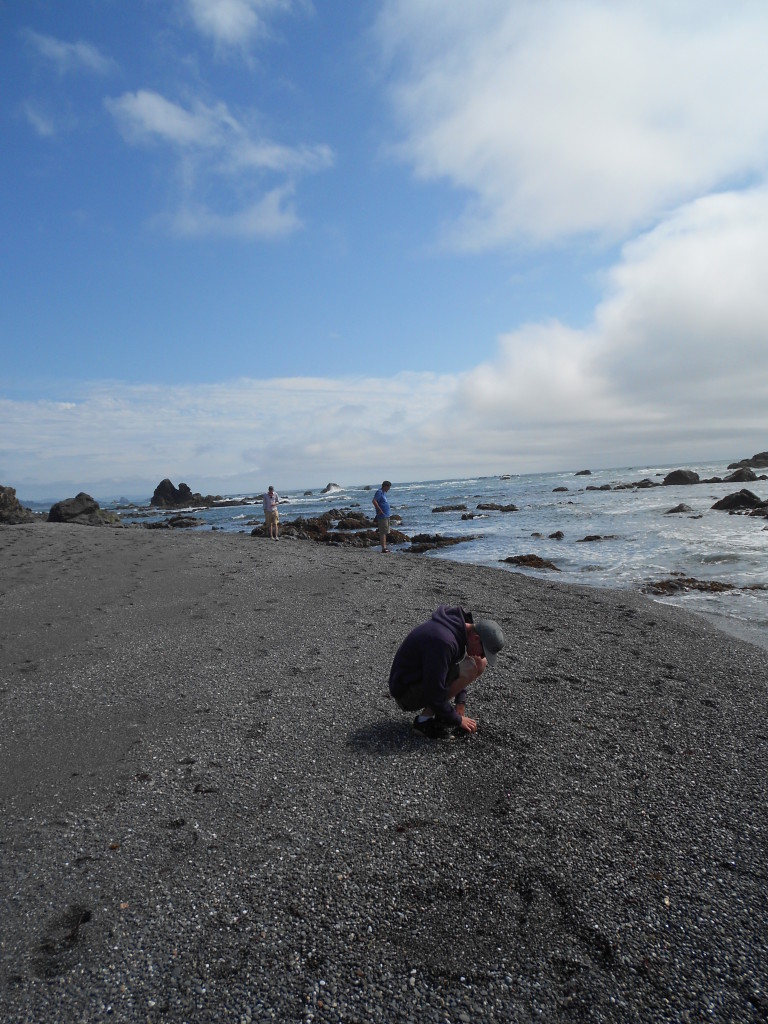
(414, 698)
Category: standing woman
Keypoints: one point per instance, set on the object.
(271, 518)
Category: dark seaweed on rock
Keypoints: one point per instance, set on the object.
(530, 562)
(422, 542)
(684, 584)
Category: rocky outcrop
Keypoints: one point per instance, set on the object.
(168, 496)
(758, 461)
(684, 584)
(530, 562)
(334, 527)
(82, 510)
(645, 482)
(430, 542)
(740, 501)
(330, 487)
(355, 521)
(681, 476)
(493, 507)
(593, 538)
(583, 472)
(175, 523)
(12, 512)
(682, 507)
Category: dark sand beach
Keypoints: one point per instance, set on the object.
(212, 811)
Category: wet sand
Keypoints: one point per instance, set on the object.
(213, 811)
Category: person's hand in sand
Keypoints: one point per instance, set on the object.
(436, 663)
(466, 724)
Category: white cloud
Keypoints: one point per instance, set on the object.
(44, 123)
(298, 430)
(672, 367)
(673, 361)
(66, 57)
(688, 304)
(272, 216)
(234, 22)
(215, 147)
(567, 117)
(145, 115)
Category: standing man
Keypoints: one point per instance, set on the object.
(381, 505)
(271, 518)
(434, 665)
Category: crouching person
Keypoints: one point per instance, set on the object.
(434, 665)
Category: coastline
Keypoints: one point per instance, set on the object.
(213, 806)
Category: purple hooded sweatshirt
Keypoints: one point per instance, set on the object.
(429, 655)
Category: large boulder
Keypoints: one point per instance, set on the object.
(82, 510)
(758, 461)
(681, 476)
(740, 501)
(12, 512)
(745, 475)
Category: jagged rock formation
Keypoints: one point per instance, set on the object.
(12, 512)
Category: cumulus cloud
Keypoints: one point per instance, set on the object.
(688, 305)
(672, 362)
(69, 57)
(671, 367)
(213, 145)
(571, 117)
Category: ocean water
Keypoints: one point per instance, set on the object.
(641, 544)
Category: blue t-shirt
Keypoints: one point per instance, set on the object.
(381, 500)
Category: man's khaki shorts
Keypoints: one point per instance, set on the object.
(271, 517)
(382, 525)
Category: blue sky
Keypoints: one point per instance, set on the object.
(252, 241)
